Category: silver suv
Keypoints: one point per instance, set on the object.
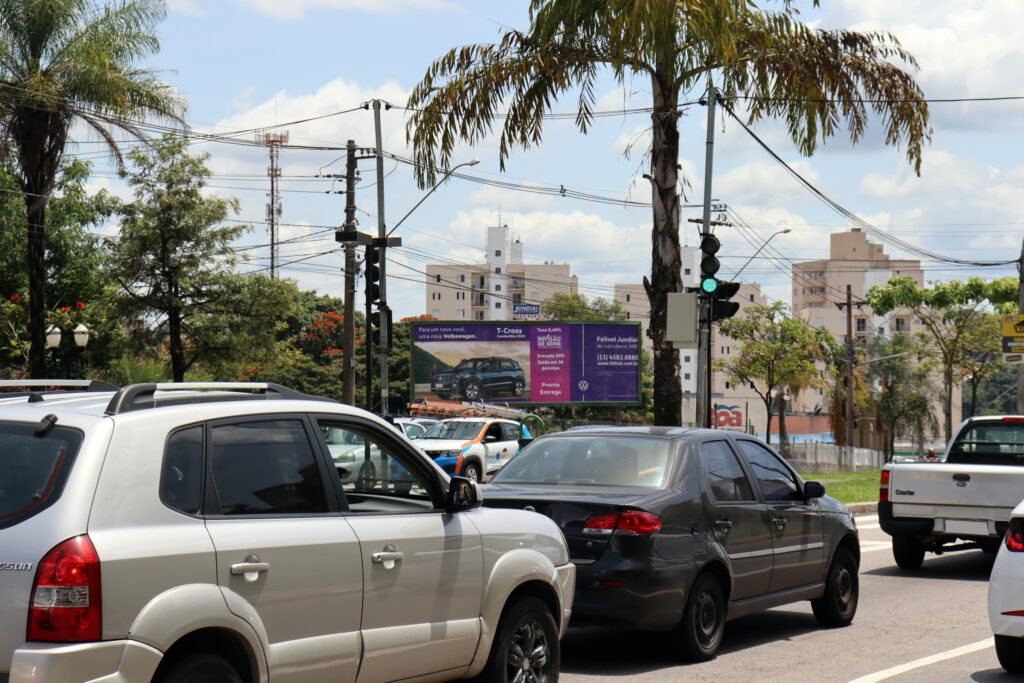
(184, 532)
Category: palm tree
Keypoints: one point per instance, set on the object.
(63, 61)
(815, 80)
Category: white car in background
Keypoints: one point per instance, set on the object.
(1006, 595)
(471, 446)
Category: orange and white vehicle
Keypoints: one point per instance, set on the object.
(472, 446)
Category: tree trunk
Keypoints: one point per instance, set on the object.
(666, 265)
(783, 437)
(768, 410)
(948, 381)
(175, 347)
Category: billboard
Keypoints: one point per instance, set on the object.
(551, 362)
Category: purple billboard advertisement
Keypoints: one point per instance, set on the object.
(527, 362)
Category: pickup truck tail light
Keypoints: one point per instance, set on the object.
(1015, 535)
(630, 522)
(883, 487)
(65, 604)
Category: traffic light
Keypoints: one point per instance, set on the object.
(372, 275)
(709, 264)
(380, 328)
(721, 307)
(373, 328)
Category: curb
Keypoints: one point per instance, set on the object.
(863, 508)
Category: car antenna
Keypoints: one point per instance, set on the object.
(45, 425)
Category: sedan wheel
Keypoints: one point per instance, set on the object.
(839, 603)
(700, 632)
(1010, 652)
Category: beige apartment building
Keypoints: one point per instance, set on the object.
(488, 291)
(819, 285)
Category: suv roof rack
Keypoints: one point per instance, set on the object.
(143, 396)
(36, 389)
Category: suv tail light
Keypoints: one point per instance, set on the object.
(65, 606)
(1015, 535)
(883, 487)
(630, 522)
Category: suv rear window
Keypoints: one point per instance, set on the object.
(33, 468)
(989, 442)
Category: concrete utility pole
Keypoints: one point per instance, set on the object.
(703, 407)
(348, 376)
(382, 235)
(850, 359)
(1020, 309)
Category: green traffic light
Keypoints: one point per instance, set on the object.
(709, 284)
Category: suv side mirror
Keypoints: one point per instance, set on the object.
(813, 489)
(463, 494)
(490, 438)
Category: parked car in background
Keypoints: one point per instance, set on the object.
(475, 378)
(412, 427)
(963, 501)
(1006, 595)
(201, 532)
(471, 446)
(680, 530)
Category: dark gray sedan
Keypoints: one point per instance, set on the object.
(682, 529)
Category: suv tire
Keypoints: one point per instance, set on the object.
(700, 631)
(199, 667)
(1010, 652)
(517, 388)
(526, 630)
(907, 551)
(471, 390)
(471, 470)
(842, 588)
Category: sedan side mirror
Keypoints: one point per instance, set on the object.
(813, 489)
(463, 494)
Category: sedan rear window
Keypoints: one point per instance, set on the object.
(586, 460)
(33, 468)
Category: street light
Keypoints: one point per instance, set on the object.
(763, 245)
(474, 162)
(81, 336)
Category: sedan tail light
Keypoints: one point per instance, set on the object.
(629, 522)
(883, 487)
(65, 605)
(1015, 535)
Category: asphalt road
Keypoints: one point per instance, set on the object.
(929, 625)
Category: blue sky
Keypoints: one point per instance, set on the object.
(250, 63)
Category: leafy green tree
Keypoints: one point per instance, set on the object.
(560, 306)
(815, 80)
(900, 378)
(174, 263)
(777, 351)
(948, 311)
(63, 61)
(982, 356)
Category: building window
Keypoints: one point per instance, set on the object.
(497, 271)
(460, 296)
(862, 325)
(497, 304)
(436, 313)
(686, 376)
(462, 278)
(627, 298)
(750, 297)
(901, 324)
(436, 296)
(727, 385)
(517, 298)
(686, 271)
(534, 296)
(627, 315)
(497, 252)
(686, 359)
(497, 288)
(479, 315)
(460, 314)
(437, 278)
(559, 278)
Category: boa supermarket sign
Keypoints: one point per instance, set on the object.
(728, 417)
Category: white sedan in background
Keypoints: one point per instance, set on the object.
(1006, 596)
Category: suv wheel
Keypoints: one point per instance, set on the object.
(907, 551)
(1010, 652)
(839, 603)
(471, 390)
(700, 631)
(367, 475)
(471, 470)
(200, 667)
(525, 646)
(518, 387)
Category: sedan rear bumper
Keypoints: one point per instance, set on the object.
(615, 591)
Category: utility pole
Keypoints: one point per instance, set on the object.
(703, 407)
(273, 141)
(1020, 309)
(851, 361)
(348, 376)
(382, 236)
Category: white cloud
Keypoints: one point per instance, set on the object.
(296, 9)
(189, 7)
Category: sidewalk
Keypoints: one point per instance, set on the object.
(863, 508)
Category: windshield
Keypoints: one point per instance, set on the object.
(603, 460)
(454, 430)
(32, 468)
(997, 443)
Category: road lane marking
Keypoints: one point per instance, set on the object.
(926, 661)
(870, 546)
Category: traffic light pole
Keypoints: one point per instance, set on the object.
(348, 373)
(703, 407)
(382, 235)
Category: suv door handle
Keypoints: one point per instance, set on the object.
(779, 522)
(388, 557)
(251, 568)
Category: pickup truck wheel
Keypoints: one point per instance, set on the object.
(700, 632)
(471, 390)
(471, 470)
(907, 551)
(1010, 652)
(200, 667)
(525, 647)
(839, 603)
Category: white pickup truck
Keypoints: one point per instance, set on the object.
(962, 502)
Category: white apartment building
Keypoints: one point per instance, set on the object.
(487, 291)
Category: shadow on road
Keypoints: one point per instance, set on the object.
(993, 675)
(602, 651)
(964, 565)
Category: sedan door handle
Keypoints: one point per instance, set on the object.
(388, 557)
(779, 522)
(723, 525)
(250, 569)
